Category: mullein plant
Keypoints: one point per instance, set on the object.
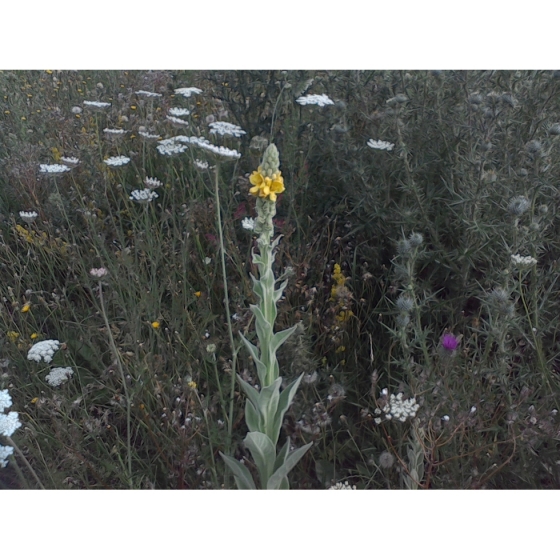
(265, 407)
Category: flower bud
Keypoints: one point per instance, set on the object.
(270, 161)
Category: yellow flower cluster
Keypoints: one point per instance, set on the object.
(42, 240)
(264, 186)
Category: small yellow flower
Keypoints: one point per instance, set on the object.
(142, 406)
(191, 385)
(48, 71)
(12, 335)
(198, 294)
(34, 336)
(133, 107)
(156, 324)
(266, 186)
(34, 400)
(340, 349)
(26, 308)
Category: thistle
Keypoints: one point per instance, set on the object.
(265, 408)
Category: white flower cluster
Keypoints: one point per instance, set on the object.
(114, 131)
(5, 400)
(523, 261)
(70, 161)
(187, 91)
(340, 486)
(43, 350)
(179, 112)
(248, 223)
(226, 129)
(397, 408)
(116, 161)
(176, 121)
(147, 93)
(9, 423)
(59, 375)
(152, 183)
(380, 145)
(98, 272)
(174, 144)
(320, 100)
(145, 195)
(201, 164)
(28, 217)
(171, 148)
(5, 452)
(148, 136)
(54, 169)
(97, 104)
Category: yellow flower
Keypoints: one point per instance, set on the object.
(191, 385)
(156, 324)
(12, 335)
(198, 294)
(26, 308)
(34, 336)
(34, 400)
(266, 186)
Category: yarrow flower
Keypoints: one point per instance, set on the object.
(5, 452)
(340, 486)
(266, 186)
(201, 164)
(152, 183)
(523, 261)
(188, 91)
(28, 217)
(43, 350)
(147, 93)
(5, 400)
(98, 272)
(54, 169)
(226, 129)
(449, 342)
(179, 112)
(380, 145)
(116, 161)
(59, 375)
(97, 104)
(248, 223)
(9, 423)
(397, 408)
(144, 196)
(320, 100)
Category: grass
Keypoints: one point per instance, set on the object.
(154, 345)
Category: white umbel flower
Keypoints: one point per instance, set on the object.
(28, 217)
(70, 161)
(523, 261)
(201, 164)
(340, 486)
(148, 136)
(397, 408)
(114, 131)
(9, 423)
(145, 195)
(380, 145)
(152, 183)
(97, 104)
(226, 129)
(320, 100)
(5, 400)
(179, 112)
(171, 149)
(54, 169)
(59, 375)
(5, 452)
(117, 161)
(176, 121)
(187, 91)
(144, 93)
(43, 350)
(248, 223)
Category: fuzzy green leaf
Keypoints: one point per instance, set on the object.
(241, 473)
(280, 337)
(284, 402)
(254, 351)
(275, 482)
(263, 452)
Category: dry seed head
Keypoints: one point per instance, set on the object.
(415, 239)
(518, 205)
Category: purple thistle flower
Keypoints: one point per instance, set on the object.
(449, 342)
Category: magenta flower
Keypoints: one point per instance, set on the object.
(449, 342)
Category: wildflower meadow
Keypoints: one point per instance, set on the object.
(279, 279)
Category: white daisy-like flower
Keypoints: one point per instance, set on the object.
(176, 121)
(5, 400)
(380, 145)
(28, 217)
(187, 91)
(201, 164)
(152, 183)
(70, 161)
(226, 129)
(147, 93)
(248, 223)
(179, 112)
(144, 196)
(114, 131)
(523, 261)
(54, 169)
(5, 452)
(116, 161)
(171, 149)
(59, 375)
(97, 104)
(43, 350)
(9, 423)
(320, 100)
(149, 136)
